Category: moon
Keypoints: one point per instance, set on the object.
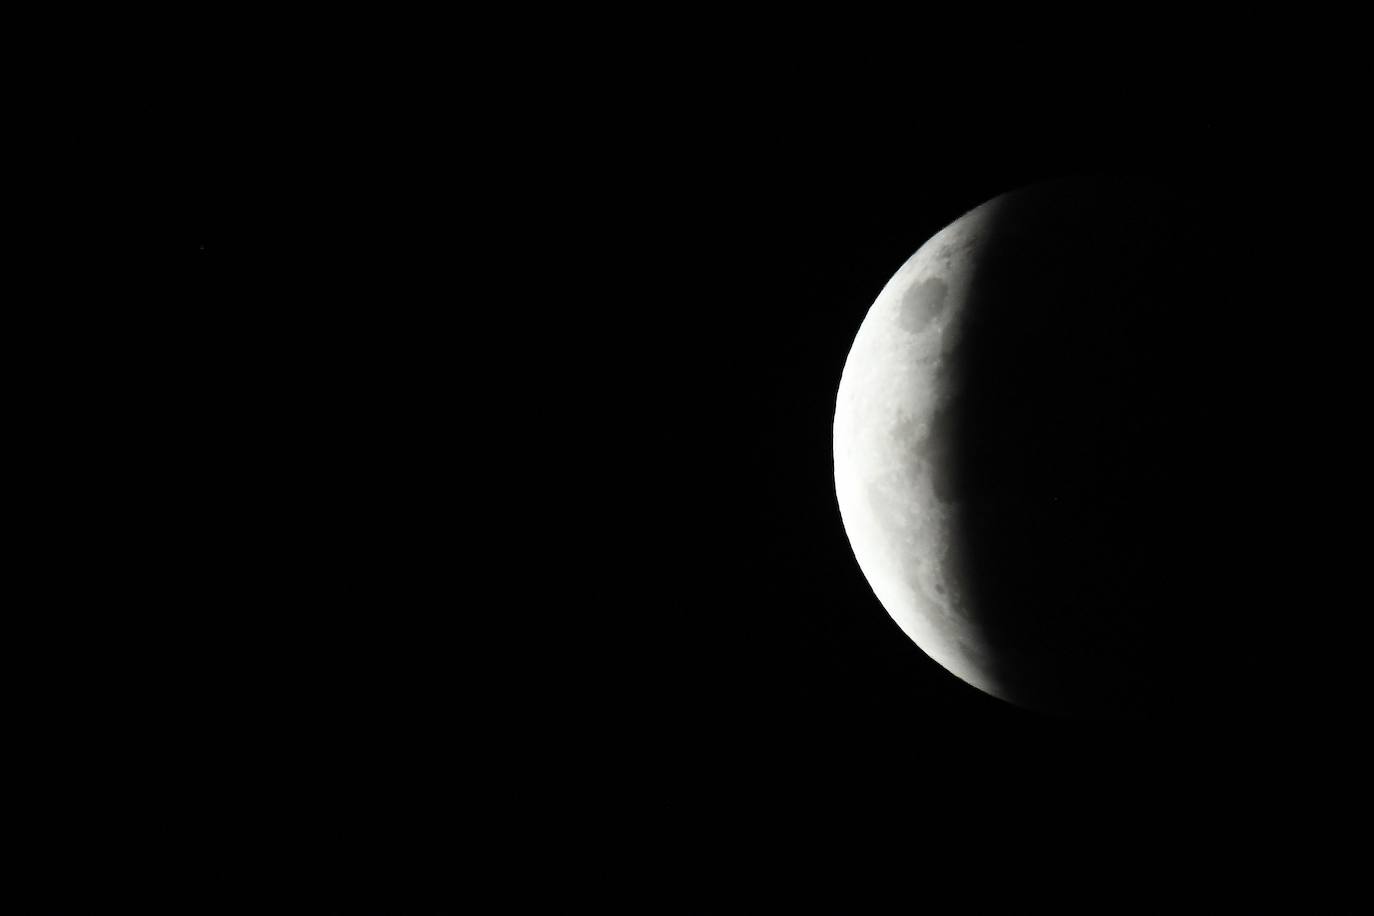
(1016, 440)
(892, 442)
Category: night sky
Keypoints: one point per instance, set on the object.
(509, 450)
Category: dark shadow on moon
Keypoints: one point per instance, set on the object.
(1064, 451)
(944, 472)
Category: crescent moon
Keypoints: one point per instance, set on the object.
(891, 441)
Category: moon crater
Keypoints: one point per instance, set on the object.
(922, 304)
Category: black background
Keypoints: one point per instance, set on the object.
(484, 474)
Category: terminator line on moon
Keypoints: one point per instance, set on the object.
(891, 448)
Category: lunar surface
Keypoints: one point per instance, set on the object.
(892, 449)
(1020, 446)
